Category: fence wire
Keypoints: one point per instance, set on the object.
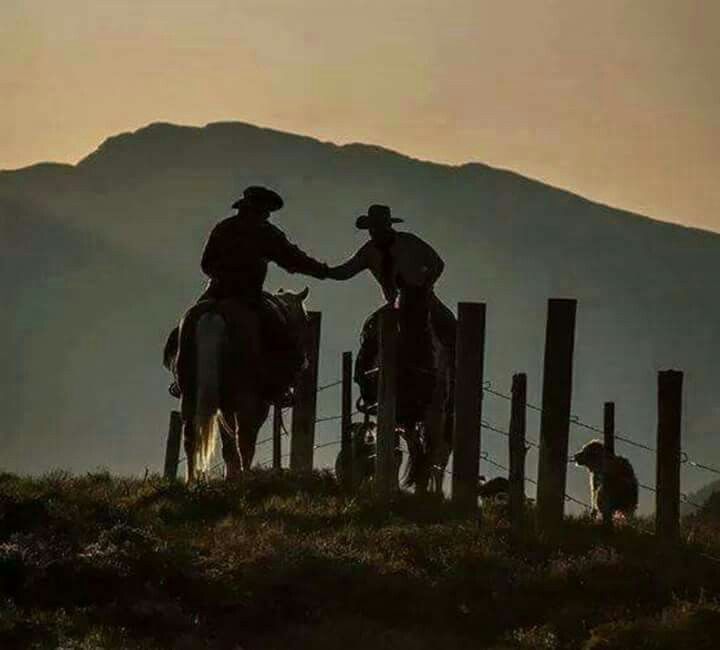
(332, 384)
(530, 444)
(484, 456)
(577, 421)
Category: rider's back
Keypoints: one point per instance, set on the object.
(236, 256)
(237, 253)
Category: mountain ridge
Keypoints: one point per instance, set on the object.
(162, 128)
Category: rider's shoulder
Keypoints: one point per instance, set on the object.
(235, 223)
(405, 236)
(367, 250)
(229, 223)
(272, 230)
(411, 239)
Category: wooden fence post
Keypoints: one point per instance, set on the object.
(609, 427)
(555, 418)
(302, 442)
(172, 448)
(277, 437)
(386, 478)
(667, 506)
(608, 444)
(469, 359)
(518, 419)
(346, 446)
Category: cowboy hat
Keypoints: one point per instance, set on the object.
(260, 197)
(378, 216)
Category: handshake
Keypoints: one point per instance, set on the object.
(323, 272)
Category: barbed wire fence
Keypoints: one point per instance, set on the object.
(320, 389)
(556, 420)
(530, 444)
(488, 387)
(685, 459)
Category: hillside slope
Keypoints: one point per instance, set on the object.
(282, 562)
(142, 204)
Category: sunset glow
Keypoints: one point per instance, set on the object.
(616, 101)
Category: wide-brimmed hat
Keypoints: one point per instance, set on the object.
(260, 197)
(378, 216)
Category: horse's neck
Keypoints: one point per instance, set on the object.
(298, 331)
(417, 332)
(296, 320)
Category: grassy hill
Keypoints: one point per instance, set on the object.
(285, 562)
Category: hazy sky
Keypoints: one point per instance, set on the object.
(618, 100)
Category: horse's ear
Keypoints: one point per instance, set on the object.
(304, 294)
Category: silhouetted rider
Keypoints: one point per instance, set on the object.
(404, 265)
(240, 247)
(236, 258)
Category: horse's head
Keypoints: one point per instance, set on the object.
(294, 304)
(296, 313)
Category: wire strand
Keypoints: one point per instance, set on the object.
(332, 384)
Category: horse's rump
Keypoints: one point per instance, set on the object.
(424, 388)
(417, 369)
(261, 351)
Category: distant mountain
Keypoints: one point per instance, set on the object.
(100, 258)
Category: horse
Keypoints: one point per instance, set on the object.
(233, 361)
(425, 392)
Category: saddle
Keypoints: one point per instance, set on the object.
(278, 355)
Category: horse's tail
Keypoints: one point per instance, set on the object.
(209, 340)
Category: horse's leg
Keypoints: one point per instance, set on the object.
(190, 444)
(249, 421)
(417, 472)
(439, 420)
(438, 449)
(228, 434)
(439, 457)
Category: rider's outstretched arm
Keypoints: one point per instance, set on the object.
(290, 257)
(356, 264)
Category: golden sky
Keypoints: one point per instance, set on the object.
(618, 100)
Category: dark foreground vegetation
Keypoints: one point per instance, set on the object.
(286, 562)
